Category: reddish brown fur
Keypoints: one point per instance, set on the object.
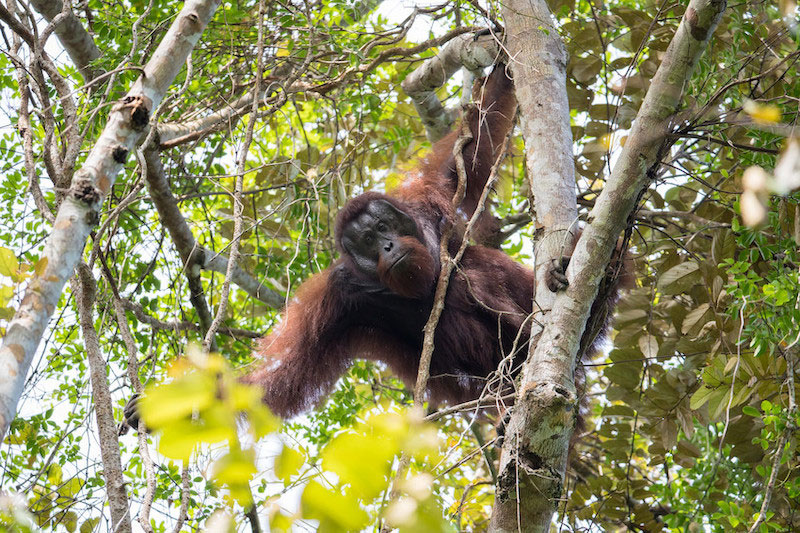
(342, 314)
(415, 276)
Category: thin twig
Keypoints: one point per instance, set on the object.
(446, 268)
(238, 205)
(790, 354)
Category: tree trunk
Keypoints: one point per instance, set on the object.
(533, 460)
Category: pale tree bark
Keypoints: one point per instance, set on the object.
(77, 42)
(533, 460)
(465, 51)
(538, 61)
(175, 133)
(80, 210)
(85, 288)
(133, 376)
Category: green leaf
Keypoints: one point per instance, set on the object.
(696, 319)
(718, 402)
(70, 521)
(624, 374)
(700, 397)
(749, 410)
(679, 278)
(618, 410)
(72, 487)
(89, 525)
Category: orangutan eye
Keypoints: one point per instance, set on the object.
(381, 227)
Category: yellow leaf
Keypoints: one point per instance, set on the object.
(288, 463)
(280, 522)
(393, 180)
(176, 446)
(336, 511)
(6, 293)
(54, 474)
(262, 421)
(180, 438)
(8, 262)
(235, 467)
(245, 397)
(165, 404)
(179, 367)
(363, 461)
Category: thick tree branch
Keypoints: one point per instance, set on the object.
(533, 462)
(72, 35)
(139, 312)
(172, 134)
(465, 51)
(184, 509)
(38, 62)
(181, 235)
(80, 209)
(16, 26)
(538, 60)
(25, 130)
(196, 257)
(136, 384)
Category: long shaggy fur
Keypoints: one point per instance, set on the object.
(342, 314)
